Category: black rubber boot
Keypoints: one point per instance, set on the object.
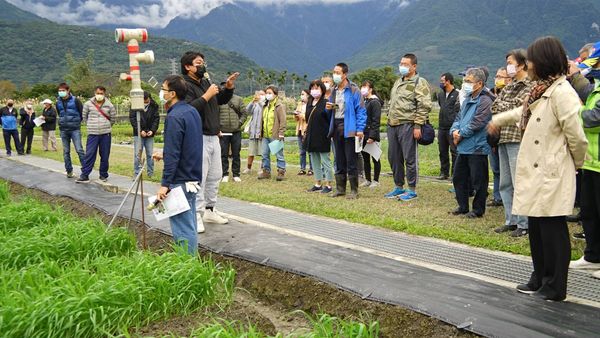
(353, 187)
(340, 186)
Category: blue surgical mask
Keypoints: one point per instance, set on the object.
(62, 94)
(467, 88)
(403, 70)
(442, 86)
(337, 78)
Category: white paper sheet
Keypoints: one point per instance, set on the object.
(174, 204)
(275, 146)
(373, 149)
(38, 121)
(358, 144)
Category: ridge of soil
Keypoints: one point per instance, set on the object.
(266, 297)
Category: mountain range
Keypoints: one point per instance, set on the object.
(310, 37)
(35, 50)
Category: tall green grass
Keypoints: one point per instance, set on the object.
(106, 295)
(61, 276)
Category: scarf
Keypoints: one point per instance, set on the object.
(536, 92)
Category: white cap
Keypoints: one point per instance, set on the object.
(47, 101)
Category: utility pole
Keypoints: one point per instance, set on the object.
(173, 66)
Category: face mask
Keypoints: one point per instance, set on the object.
(511, 70)
(99, 97)
(62, 94)
(200, 70)
(500, 83)
(269, 97)
(304, 98)
(262, 98)
(337, 78)
(467, 88)
(161, 96)
(364, 91)
(29, 106)
(10, 104)
(327, 85)
(403, 70)
(315, 93)
(442, 86)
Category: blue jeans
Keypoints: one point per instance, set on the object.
(303, 155)
(495, 165)
(66, 137)
(507, 152)
(147, 144)
(266, 156)
(96, 144)
(183, 226)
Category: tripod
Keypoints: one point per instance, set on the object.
(138, 183)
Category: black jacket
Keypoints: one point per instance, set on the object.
(448, 108)
(50, 119)
(315, 139)
(26, 121)
(149, 120)
(373, 119)
(209, 111)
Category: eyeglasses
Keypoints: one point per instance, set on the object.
(165, 89)
(200, 65)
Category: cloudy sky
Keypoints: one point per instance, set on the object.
(149, 13)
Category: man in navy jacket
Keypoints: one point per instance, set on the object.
(182, 155)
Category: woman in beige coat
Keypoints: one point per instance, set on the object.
(552, 148)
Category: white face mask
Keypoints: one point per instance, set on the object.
(337, 78)
(99, 97)
(29, 106)
(511, 70)
(270, 97)
(467, 88)
(262, 98)
(304, 98)
(403, 70)
(161, 96)
(364, 91)
(327, 85)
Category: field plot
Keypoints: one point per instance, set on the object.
(64, 276)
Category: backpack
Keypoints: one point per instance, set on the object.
(427, 131)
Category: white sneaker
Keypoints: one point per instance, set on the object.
(211, 216)
(199, 223)
(365, 184)
(596, 274)
(582, 264)
(374, 185)
(247, 171)
(237, 179)
(225, 179)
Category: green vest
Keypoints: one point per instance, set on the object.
(269, 118)
(592, 134)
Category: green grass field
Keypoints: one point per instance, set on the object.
(426, 216)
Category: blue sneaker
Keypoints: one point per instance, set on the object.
(394, 193)
(408, 195)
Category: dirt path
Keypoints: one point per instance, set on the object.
(267, 297)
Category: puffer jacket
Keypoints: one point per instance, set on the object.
(233, 115)
(97, 124)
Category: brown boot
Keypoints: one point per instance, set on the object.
(340, 186)
(280, 174)
(264, 175)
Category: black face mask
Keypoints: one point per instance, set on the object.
(200, 70)
(10, 104)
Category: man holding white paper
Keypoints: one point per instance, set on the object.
(183, 159)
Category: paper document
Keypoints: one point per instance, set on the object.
(226, 134)
(174, 204)
(38, 121)
(358, 144)
(373, 149)
(275, 146)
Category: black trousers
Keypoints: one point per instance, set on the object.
(590, 214)
(578, 179)
(26, 139)
(445, 144)
(471, 173)
(346, 158)
(550, 253)
(367, 164)
(14, 134)
(235, 141)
